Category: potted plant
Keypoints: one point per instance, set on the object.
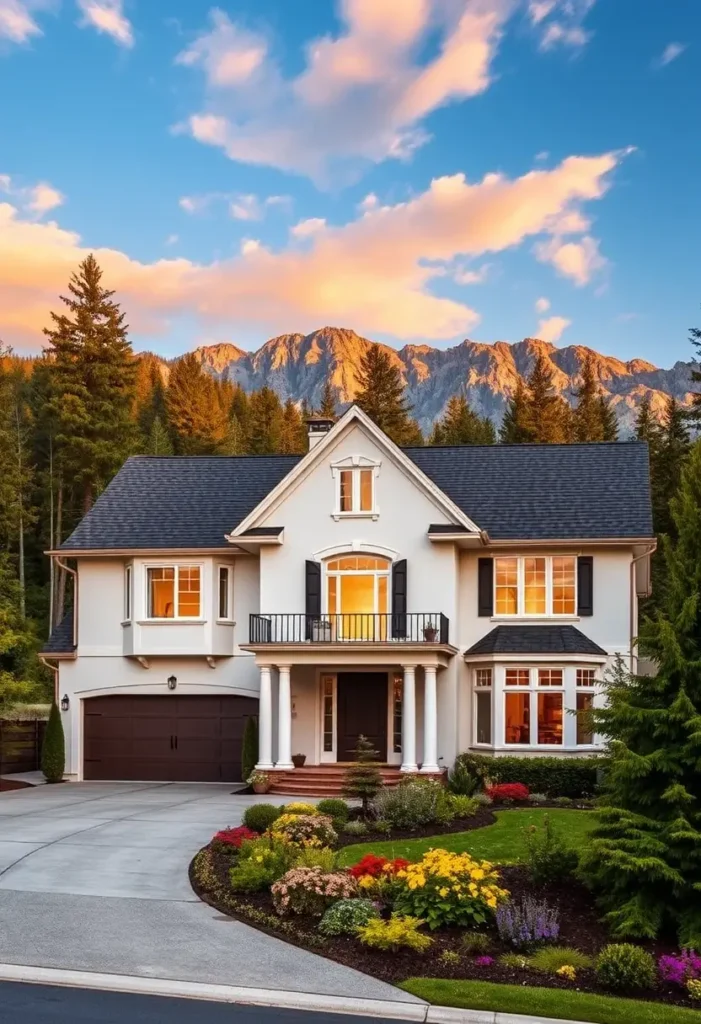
(260, 782)
(430, 633)
(298, 760)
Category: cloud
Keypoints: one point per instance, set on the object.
(576, 260)
(108, 16)
(17, 23)
(306, 228)
(552, 328)
(377, 271)
(35, 200)
(463, 275)
(242, 206)
(542, 305)
(670, 53)
(172, 239)
(542, 156)
(361, 95)
(560, 22)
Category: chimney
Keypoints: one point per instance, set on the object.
(317, 428)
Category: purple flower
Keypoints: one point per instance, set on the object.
(484, 961)
(528, 922)
(678, 970)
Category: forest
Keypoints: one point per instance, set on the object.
(69, 419)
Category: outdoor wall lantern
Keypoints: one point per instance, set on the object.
(172, 682)
(65, 702)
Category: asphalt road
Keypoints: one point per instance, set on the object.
(38, 1004)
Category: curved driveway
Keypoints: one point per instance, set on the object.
(93, 876)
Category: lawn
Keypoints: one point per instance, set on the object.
(547, 1002)
(502, 843)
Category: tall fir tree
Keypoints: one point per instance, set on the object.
(609, 420)
(265, 422)
(195, 414)
(293, 437)
(694, 413)
(515, 427)
(381, 396)
(593, 419)
(327, 405)
(644, 858)
(93, 381)
(674, 449)
(548, 416)
(459, 424)
(158, 441)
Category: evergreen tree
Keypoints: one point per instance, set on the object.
(198, 422)
(265, 422)
(327, 407)
(644, 859)
(646, 426)
(293, 438)
(514, 426)
(548, 418)
(249, 747)
(609, 420)
(460, 425)
(695, 412)
(158, 441)
(150, 395)
(93, 383)
(593, 419)
(22, 679)
(53, 754)
(16, 471)
(363, 779)
(673, 451)
(381, 396)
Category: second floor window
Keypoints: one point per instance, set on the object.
(356, 488)
(535, 585)
(174, 592)
(224, 598)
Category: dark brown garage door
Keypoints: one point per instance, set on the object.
(165, 739)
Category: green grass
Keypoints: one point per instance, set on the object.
(547, 1002)
(502, 843)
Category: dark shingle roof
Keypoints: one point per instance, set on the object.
(546, 492)
(61, 639)
(535, 640)
(519, 492)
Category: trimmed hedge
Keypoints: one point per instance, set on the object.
(574, 777)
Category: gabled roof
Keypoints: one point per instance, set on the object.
(61, 639)
(550, 639)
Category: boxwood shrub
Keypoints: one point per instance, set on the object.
(573, 777)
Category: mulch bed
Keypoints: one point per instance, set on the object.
(6, 785)
(579, 927)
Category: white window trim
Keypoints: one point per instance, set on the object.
(177, 566)
(229, 617)
(354, 464)
(338, 573)
(478, 690)
(328, 756)
(393, 756)
(128, 594)
(521, 591)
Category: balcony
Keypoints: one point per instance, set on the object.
(426, 628)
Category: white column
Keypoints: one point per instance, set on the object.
(265, 720)
(284, 720)
(409, 720)
(430, 762)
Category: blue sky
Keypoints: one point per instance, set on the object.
(419, 170)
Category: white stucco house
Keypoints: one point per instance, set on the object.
(436, 600)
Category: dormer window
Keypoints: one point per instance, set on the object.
(354, 481)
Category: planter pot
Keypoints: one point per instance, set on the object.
(260, 787)
(298, 760)
(430, 634)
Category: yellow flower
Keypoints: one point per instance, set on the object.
(443, 892)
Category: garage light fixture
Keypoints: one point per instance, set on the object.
(172, 682)
(65, 702)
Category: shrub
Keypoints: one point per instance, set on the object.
(482, 800)
(693, 987)
(231, 838)
(680, 969)
(484, 961)
(512, 960)
(363, 779)
(259, 817)
(249, 747)
(555, 776)
(393, 934)
(513, 791)
(463, 806)
(468, 774)
(53, 752)
(563, 801)
(299, 807)
(626, 967)
(304, 829)
(346, 916)
(449, 889)
(538, 798)
(409, 805)
(355, 828)
(450, 957)
(567, 971)
(311, 891)
(547, 856)
(382, 827)
(337, 810)
(551, 959)
(260, 863)
(316, 857)
(476, 942)
(527, 923)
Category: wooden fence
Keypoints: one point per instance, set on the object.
(20, 746)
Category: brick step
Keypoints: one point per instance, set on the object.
(322, 780)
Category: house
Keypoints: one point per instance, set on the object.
(434, 599)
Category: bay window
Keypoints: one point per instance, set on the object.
(483, 705)
(537, 585)
(174, 592)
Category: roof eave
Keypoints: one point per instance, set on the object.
(569, 656)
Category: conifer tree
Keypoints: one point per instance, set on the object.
(195, 415)
(644, 860)
(53, 754)
(593, 419)
(158, 441)
(609, 420)
(327, 406)
(460, 425)
(695, 412)
(363, 779)
(93, 382)
(265, 422)
(515, 428)
(293, 437)
(548, 417)
(381, 396)
(673, 451)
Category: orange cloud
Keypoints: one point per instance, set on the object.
(552, 328)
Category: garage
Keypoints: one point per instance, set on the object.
(165, 739)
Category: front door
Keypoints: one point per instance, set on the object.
(361, 710)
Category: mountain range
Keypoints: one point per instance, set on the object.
(296, 366)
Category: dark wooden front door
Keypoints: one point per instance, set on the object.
(165, 739)
(361, 709)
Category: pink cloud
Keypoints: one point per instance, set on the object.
(552, 328)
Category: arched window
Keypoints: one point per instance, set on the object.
(357, 595)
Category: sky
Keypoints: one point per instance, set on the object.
(421, 171)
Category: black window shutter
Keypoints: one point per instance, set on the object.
(312, 594)
(399, 601)
(485, 586)
(585, 585)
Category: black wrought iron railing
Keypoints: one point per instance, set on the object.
(353, 627)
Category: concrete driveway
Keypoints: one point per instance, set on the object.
(93, 876)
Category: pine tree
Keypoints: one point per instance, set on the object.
(249, 747)
(16, 470)
(198, 422)
(265, 422)
(674, 448)
(548, 417)
(593, 419)
(327, 407)
(93, 382)
(293, 438)
(158, 441)
(514, 426)
(363, 780)
(150, 394)
(695, 412)
(460, 425)
(53, 754)
(381, 396)
(609, 420)
(644, 859)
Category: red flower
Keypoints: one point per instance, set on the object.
(234, 836)
(376, 866)
(508, 791)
